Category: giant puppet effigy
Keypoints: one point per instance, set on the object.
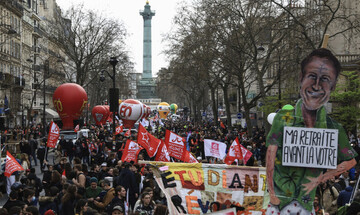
(305, 146)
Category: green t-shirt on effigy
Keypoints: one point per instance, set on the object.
(288, 181)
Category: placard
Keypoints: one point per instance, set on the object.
(310, 147)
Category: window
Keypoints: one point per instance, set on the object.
(34, 6)
(11, 45)
(12, 21)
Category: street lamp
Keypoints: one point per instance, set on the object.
(113, 92)
(46, 70)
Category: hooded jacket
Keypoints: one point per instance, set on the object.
(344, 196)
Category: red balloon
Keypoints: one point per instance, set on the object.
(110, 116)
(100, 114)
(148, 111)
(144, 112)
(69, 100)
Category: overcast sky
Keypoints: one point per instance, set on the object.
(128, 12)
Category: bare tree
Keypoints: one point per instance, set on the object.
(225, 35)
(89, 40)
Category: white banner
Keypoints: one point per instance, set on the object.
(310, 147)
(214, 148)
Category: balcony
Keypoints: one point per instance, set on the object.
(36, 68)
(19, 82)
(348, 58)
(50, 89)
(35, 86)
(35, 49)
(8, 80)
(14, 6)
(56, 73)
(37, 32)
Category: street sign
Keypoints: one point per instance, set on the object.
(204, 113)
(239, 115)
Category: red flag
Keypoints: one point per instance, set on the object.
(222, 125)
(131, 151)
(246, 153)
(189, 158)
(54, 133)
(162, 154)
(234, 152)
(64, 173)
(118, 129)
(77, 128)
(148, 141)
(11, 165)
(128, 133)
(175, 144)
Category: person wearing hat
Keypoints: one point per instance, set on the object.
(103, 171)
(92, 192)
(117, 210)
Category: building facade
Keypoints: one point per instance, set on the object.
(30, 63)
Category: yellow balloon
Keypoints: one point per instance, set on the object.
(163, 109)
(173, 108)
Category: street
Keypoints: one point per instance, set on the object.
(39, 174)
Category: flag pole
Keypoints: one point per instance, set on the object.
(0, 154)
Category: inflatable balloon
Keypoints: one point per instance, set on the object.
(148, 111)
(173, 108)
(288, 107)
(69, 100)
(110, 116)
(100, 114)
(271, 117)
(144, 112)
(163, 109)
(130, 111)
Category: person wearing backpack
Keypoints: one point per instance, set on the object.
(328, 195)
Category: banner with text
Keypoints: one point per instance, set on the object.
(310, 147)
(198, 188)
(54, 133)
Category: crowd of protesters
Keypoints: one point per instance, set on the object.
(88, 177)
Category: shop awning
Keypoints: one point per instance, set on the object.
(51, 113)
